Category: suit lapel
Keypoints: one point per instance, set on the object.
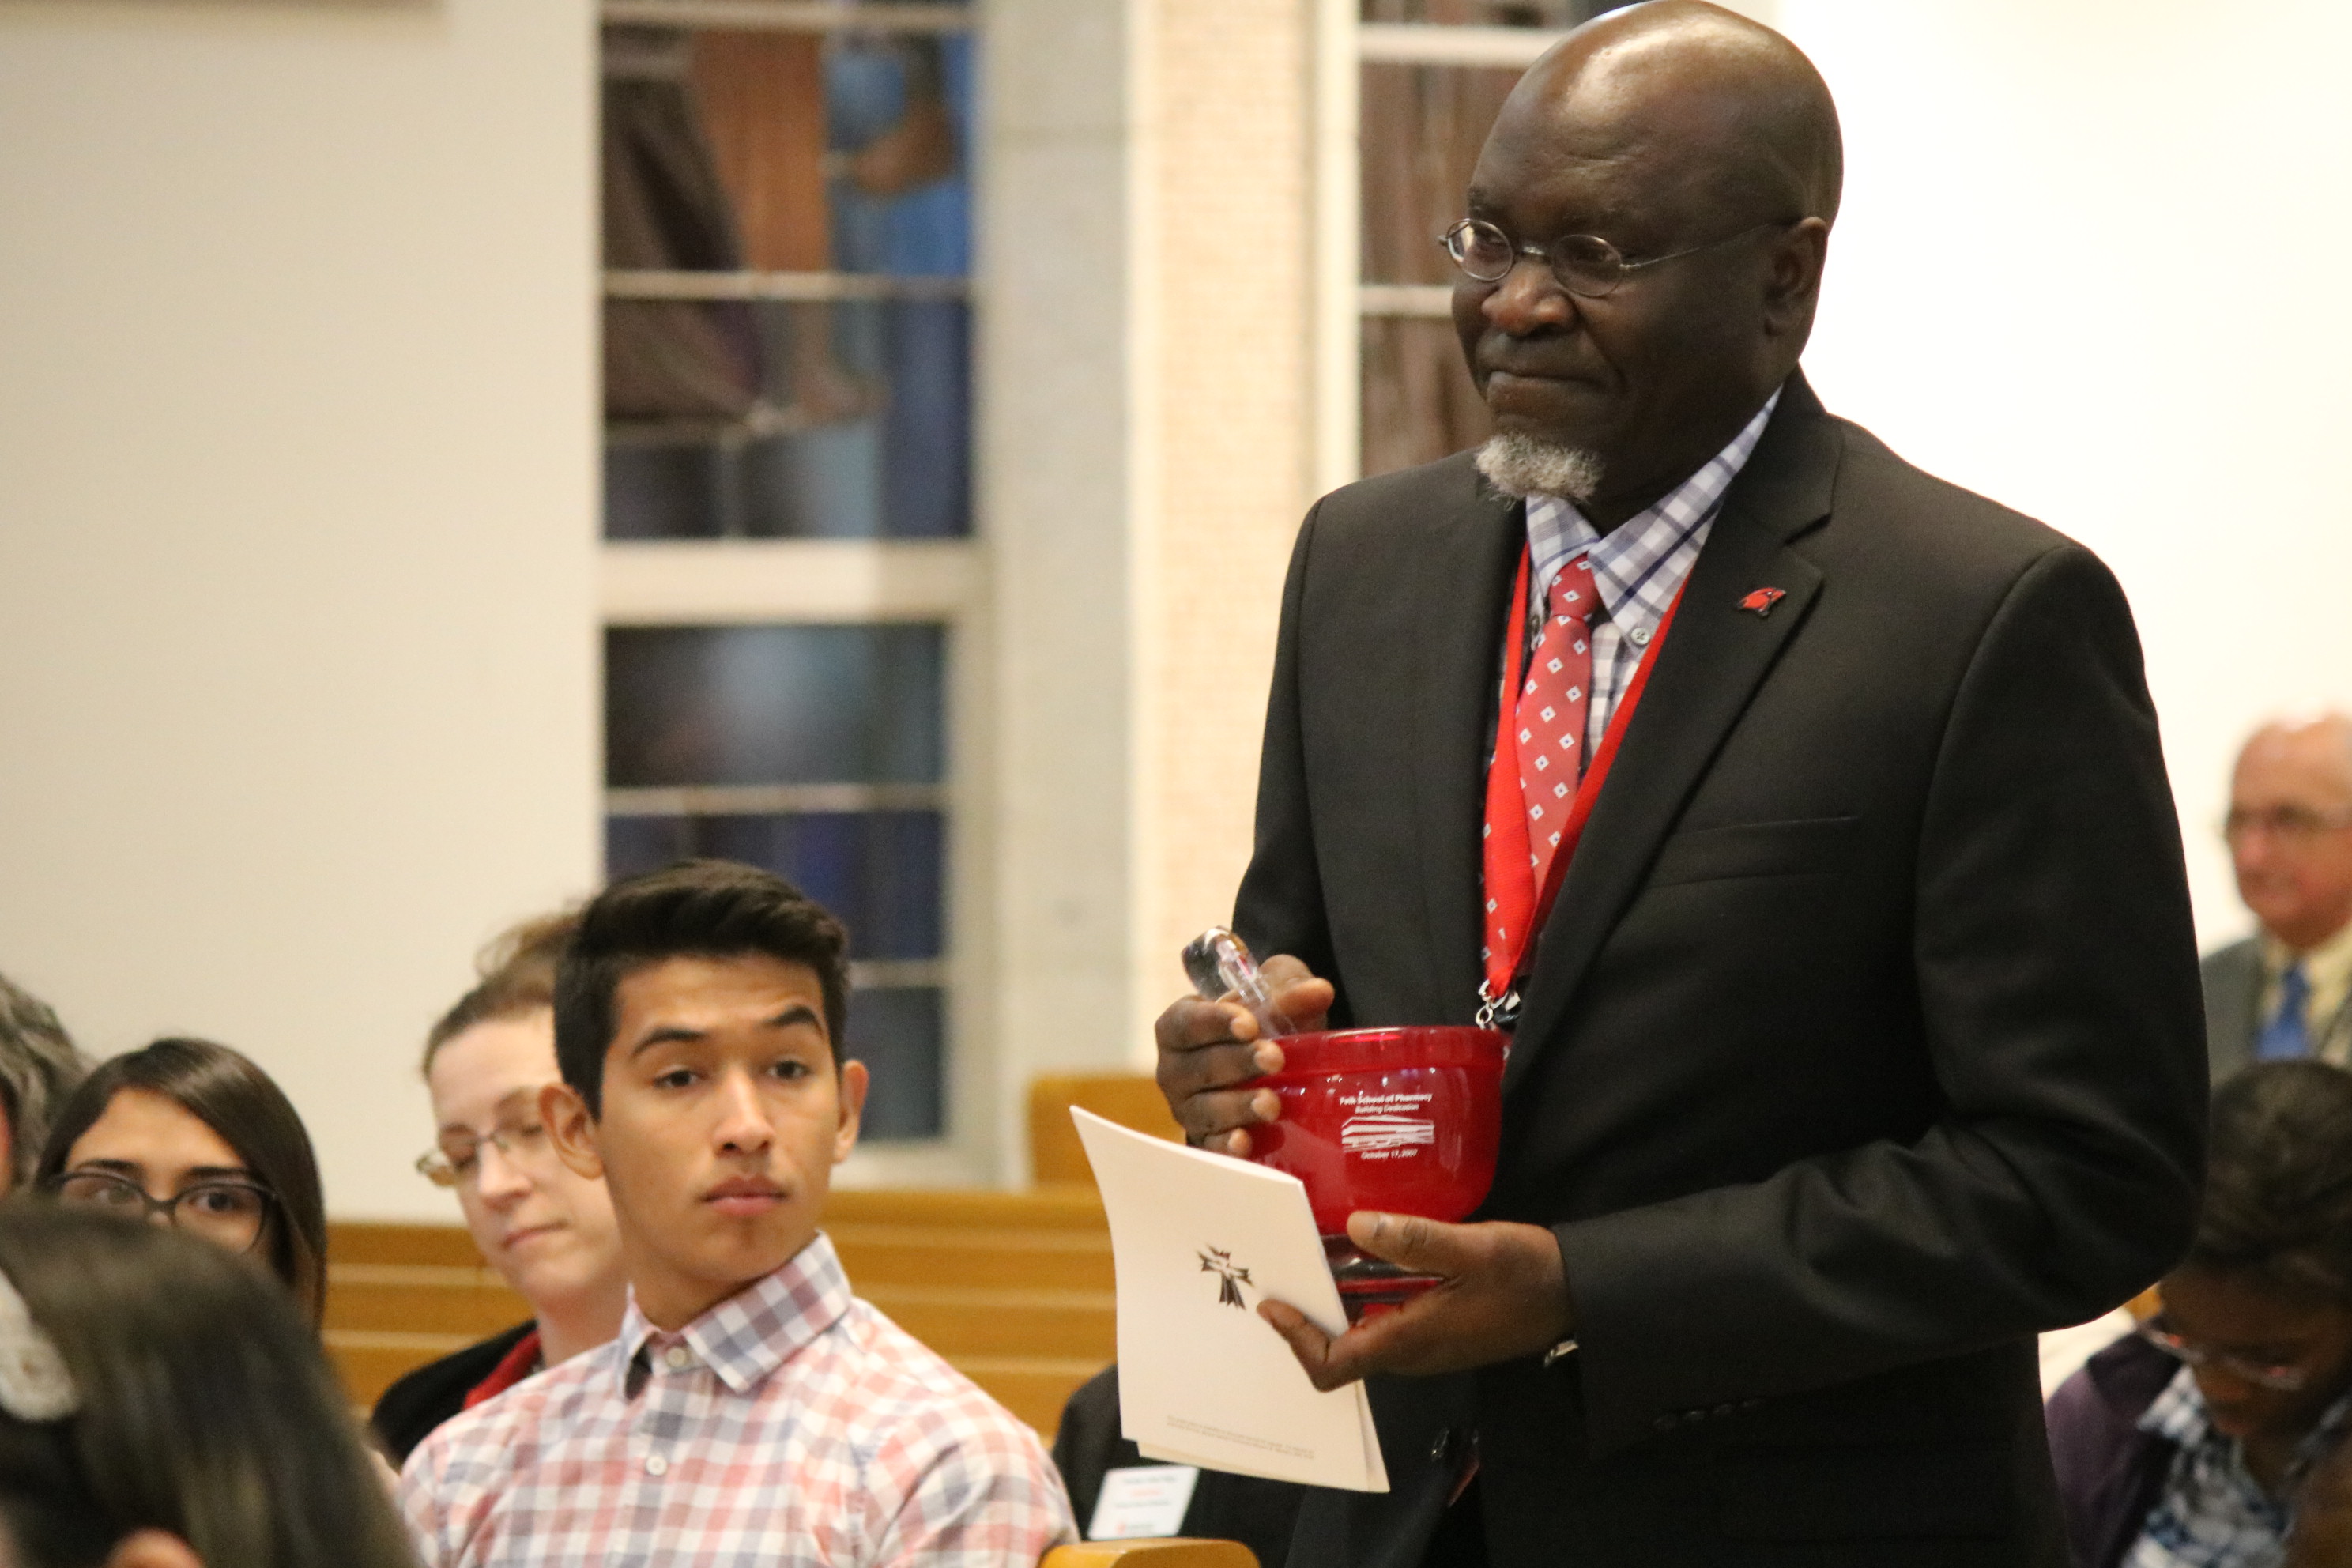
(1708, 668)
(1466, 576)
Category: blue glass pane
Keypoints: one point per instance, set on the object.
(774, 705)
(899, 1035)
(664, 493)
(899, 124)
(881, 872)
(876, 401)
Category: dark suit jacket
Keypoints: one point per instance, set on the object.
(2233, 1006)
(1862, 1043)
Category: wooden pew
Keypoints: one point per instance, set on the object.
(1013, 1288)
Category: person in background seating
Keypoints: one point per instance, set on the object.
(2214, 1435)
(162, 1406)
(751, 1409)
(548, 1232)
(193, 1132)
(1090, 1448)
(2286, 991)
(38, 1067)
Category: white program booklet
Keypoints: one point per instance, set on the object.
(1198, 1240)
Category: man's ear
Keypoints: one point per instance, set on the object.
(571, 1129)
(153, 1549)
(1792, 283)
(853, 1106)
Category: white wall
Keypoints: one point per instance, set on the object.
(297, 469)
(2090, 264)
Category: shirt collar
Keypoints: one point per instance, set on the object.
(758, 1329)
(2326, 966)
(1630, 557)
(2178, 1415)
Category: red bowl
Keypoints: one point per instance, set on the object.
(1406, 1121)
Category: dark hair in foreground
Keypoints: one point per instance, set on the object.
(517, 973)
(206, 1409)
(694, 908)
(2278, 1180)
(228, 1093)
(38, 1067)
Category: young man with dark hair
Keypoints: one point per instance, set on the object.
(751, 1409)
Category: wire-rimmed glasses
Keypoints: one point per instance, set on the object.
(1585, 265)
(459, 1160)
(2296, 825)
(228, 1214)
(2284, 1379)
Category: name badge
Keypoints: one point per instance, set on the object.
(1143, 1500)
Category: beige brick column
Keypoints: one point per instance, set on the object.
(1223, 250)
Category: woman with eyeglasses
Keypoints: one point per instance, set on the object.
(2214, 1435)
(548, 1232)
(192, 1134)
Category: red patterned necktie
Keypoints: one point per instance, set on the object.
(1554, 703)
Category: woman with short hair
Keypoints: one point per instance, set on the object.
(38, 1067)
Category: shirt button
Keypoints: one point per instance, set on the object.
(678, 1355)
(656, 1465)
(1641, 636)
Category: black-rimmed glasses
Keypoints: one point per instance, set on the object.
(1584, 264)
(2285, 1379)
(228, 1214)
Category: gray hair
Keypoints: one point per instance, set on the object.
(1521, 465)
(38, 1067)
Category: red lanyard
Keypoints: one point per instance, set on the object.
(1510, 875)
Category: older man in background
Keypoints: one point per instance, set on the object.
(38, 1067)
(2282, 991)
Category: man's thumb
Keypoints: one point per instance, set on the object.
(1407, 1240)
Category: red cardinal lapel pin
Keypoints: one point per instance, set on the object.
(1763, 600)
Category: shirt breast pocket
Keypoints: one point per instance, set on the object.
(1802, 846)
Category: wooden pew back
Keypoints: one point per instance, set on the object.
(1013, 1288)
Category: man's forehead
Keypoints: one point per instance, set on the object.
(723, 988)
(2298, 758)
(1596, 144)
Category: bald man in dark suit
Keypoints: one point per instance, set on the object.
(1863, 1039)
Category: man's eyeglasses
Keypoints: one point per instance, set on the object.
(2284, 1379)
(228, 1214)
(1585, 265)
(2293, 824)
(458, 1160)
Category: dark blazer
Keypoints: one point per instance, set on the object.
(408, 1411)
(2110, 1473)
(2233, 1006)
(1864, 1040)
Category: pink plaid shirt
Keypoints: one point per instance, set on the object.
(791, 1422)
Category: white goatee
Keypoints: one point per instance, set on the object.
(1522, 465)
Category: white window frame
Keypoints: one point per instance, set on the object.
(781, 581)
